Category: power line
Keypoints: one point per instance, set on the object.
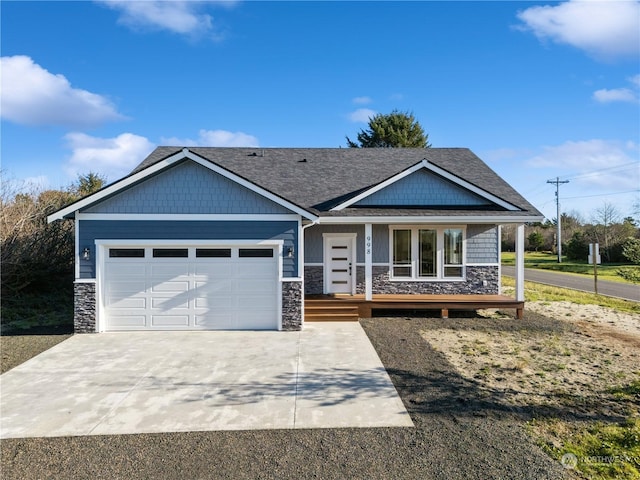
(595, 172)
(602, 194)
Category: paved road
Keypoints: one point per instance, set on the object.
(613, 289)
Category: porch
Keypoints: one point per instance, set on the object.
(339, 307)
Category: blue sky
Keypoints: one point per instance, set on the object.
(538, 90)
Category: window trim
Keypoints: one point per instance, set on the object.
(415, 253)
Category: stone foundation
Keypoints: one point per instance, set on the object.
(473, 285)
(84, 307)
(475, 281)
(291, 306)
(313, 281)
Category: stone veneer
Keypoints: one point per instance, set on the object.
(84, 307)
(291, 306)
(473, 284)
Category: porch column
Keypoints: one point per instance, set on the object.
(520, 262)
(368, 262)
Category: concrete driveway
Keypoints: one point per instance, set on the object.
(326, 376)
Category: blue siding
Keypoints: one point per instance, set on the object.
(188, 188)
(313, 242)
(422, 188)
(91, 230)
(482, 244)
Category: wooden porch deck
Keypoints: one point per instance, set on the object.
(351, 307)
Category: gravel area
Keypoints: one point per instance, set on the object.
(459, 434)
(20, 348)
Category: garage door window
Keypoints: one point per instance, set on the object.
(126, 252)
(170, 252)
(213, 252)
(255, 252)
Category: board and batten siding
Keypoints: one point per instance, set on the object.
(422, 188)
(191, 189)
(91, 230)
(482, 243)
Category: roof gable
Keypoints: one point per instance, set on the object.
(161, 163)
(425, 186)
(187, 188)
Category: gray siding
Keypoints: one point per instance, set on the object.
(313, 247)
(422, 188)
(188, 188)
(482, 244)
(91, 230)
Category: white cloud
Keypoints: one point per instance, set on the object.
(181, 16)
(615, 95)
(604, 29)
(362, 100)
(361, 115)
(112, 157)
(635, 80)
(31, 95)
(593, 162)
(215, 138)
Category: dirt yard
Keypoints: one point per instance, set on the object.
(577, 370)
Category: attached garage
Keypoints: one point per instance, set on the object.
(189, 287)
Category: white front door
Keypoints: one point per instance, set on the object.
(339, 263)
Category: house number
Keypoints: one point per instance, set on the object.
(368, 244)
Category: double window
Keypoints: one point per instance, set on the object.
(427, 252)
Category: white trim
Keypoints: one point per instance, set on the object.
(432, 220)
(189, 217)
(489, 264)
(85, 280)
(499, 259)
(520, 263)
(190, 243)
(76, 246)
(103, 245)
(378, 187)
(167, 162)
(440, 265)
(291, 279)
(437, 170)
(326, 236)
(368, 262)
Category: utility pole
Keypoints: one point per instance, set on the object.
(558, 182)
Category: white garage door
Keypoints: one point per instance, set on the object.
(190, 288)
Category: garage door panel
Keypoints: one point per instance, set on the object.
(219, 269)
(201, 293)
(170, 286)
(170, 320)
(122, 321)
(127, 302)
(167, 303)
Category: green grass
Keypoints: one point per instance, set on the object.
(548, 261)
(537, 292)
(603, 451)
(49, 309)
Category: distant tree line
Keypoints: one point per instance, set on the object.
(618, 237)
(34, 253)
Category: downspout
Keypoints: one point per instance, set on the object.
(301, 255)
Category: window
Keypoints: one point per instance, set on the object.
(213, 252)
(126, 253)
(170, 252)
(255, 252)
(427, 253)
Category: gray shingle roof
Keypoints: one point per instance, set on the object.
(318, 179)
